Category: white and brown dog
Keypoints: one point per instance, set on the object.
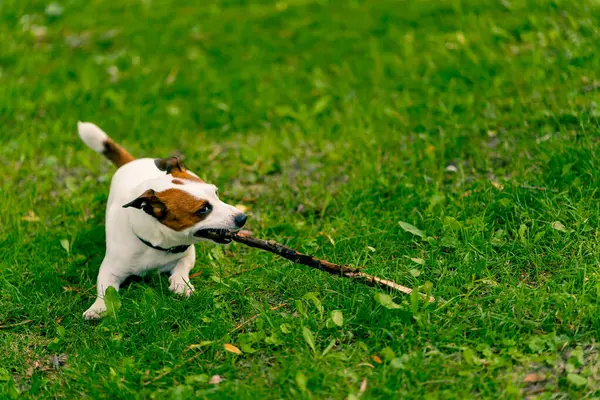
(156, 211)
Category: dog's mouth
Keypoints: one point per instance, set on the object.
(216, 235)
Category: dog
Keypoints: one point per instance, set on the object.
(156, 211)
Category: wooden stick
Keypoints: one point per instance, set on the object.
(17, 324)
(304, 259)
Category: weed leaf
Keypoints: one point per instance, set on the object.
(559, 226)
(112, 301)
(419, 261)
(576, 380)
(337, 317)
(411, 229)
(301, 381)
(310, 339)
(66, 245)
(313, 297)
(232, 349)
(329, 347)
(386, 301)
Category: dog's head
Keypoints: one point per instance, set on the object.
(186, 205)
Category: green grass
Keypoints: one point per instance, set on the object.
(332, 121)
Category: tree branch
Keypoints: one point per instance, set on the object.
(323, 265)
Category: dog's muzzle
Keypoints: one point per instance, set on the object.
(216, 235)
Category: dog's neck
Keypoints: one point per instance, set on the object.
(150, 230)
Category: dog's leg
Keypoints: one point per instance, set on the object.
(108, 276)
(180, 274)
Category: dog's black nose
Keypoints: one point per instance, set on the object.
(240, 220)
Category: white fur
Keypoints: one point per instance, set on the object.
(125, 254)
(93, 136)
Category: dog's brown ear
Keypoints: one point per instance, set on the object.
(174, 166)
(150, 203)
(170, 164)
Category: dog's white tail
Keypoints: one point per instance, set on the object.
(99, 141)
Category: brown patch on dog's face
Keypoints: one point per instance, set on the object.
(174, 208)
(174, 166)
(183, 209)
(177, 182)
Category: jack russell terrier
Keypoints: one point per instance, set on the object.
(157, 209)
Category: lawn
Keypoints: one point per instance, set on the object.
(331, 122)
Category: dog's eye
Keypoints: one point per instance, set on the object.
(205, 209)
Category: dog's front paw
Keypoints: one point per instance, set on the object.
(181, 286)
(96, 310)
